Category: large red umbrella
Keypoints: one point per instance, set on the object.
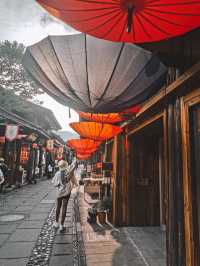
(84, 153)
(102, 118)
(83, 144)
(83, 157)
(137, 21)
(96, 131)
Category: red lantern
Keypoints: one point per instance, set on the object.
(34, 145)
(24, 154)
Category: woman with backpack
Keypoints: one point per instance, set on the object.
(64, 180)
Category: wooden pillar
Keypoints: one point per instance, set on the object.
(175, 219)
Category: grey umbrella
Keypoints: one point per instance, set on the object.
(92, 75)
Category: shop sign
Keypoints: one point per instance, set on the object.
(11, 132)
(24, 154)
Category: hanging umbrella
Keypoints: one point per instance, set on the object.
(96, 131)
(83, 144)
(131, 110)
(102, 118)
(92, 75)
(136, 21)
(83, 157)
(82, 152)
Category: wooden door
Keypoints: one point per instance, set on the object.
(144, 189)
(195, 176)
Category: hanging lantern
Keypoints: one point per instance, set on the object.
(134, 21)
(96, 131)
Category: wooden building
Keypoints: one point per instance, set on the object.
(27, 155)
(156, 158)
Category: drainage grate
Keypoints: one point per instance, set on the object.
(79, 257)
(42, 251)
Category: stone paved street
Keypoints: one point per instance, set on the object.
(20, 240)
(109, 246)
(32, 240)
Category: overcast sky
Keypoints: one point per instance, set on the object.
(26, 22)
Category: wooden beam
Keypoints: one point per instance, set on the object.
(172, 88)
(188, 101)
(146, 123)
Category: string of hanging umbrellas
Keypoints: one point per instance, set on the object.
(99, 79)
(98, 76)
(99, 128)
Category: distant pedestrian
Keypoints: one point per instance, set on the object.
(64, 180)
(49, 171)
(4, 170)
(2, 180)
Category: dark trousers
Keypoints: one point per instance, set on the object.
(61, 206)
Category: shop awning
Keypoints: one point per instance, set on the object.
(92, 75)
(96, 131)
(136, 21)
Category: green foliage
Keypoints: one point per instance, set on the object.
(32, 112)
(13, 103)
(13, 76)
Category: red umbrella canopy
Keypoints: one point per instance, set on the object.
(84, 153)
(96, 131)
(102, 118)
(83, 144)
(131, 110)
(137, 21)
(83, 157)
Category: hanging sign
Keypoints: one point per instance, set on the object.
(50, 144)
(11, 132)
(24, 154)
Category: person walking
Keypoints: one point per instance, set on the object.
(4, 171)
(1, 181)
(64, 180)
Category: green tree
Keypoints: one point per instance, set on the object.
(13, 76)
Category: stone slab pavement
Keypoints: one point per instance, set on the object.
(21, 239)
(106, 245)
(31, 240)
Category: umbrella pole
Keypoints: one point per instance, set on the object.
(129, 17)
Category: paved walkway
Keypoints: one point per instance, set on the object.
(31, 240)
(109, 246)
